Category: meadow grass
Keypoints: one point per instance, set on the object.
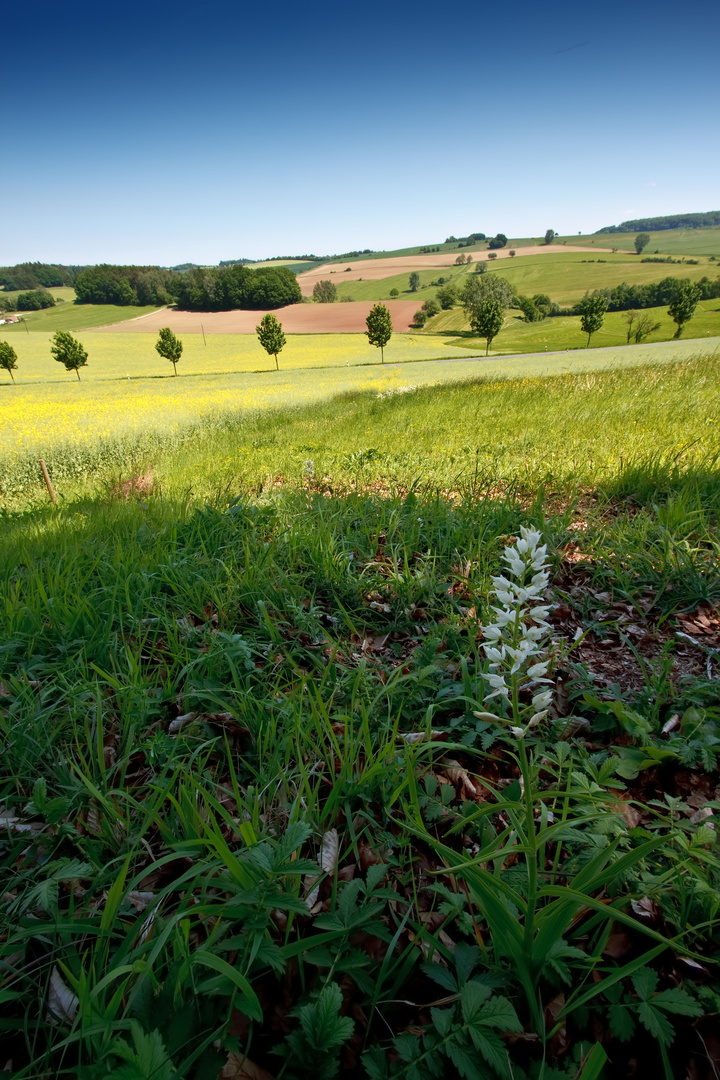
(662, 241)
(66, 293)
(564, 332)
(71, 316)
(250, 764)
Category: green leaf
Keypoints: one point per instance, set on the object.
(500, 1013)
(492, 1049)
(472, 999)
(440, 975)
(148, 1061)
(375, 1062)
(321, 1023)
(443, 1020)
(645, 982)
(677, 1001)
(594, 1062)
(463, 1062)
(656, 1023)
(465, 958)
(249, 1003)
(621, 1022)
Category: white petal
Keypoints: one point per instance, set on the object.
(537, 670)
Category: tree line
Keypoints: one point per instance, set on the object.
(37, 275)
(625, 297)
(671, 221)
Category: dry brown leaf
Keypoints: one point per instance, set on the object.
(239, 1067)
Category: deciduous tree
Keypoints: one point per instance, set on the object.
(446, 297)
(169, 346)
(325, 292)
(68, 351)
(8, 358)
(414, 281)
(271, 337)
(683, 306)
(593, 314)
(486, 287)
(641, 242)
(550, 236)
(487, 321)
(379, 328)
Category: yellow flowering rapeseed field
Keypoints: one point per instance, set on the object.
(128, 397)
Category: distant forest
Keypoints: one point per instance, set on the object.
(658, 224)
(37, 275)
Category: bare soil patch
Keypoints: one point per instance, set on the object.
(376, 269)
(340, 318)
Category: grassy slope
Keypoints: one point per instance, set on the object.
(563, 276)
(565, 333)
(75, 317)
(665, 241)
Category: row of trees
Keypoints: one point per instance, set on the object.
(36, 275)
(126, 285)
(626, 297)
(34, 300)
(660, 224)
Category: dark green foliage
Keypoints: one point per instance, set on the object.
(477, 289)
(498, 241)
(8, 359)
(529, 309)
(549, 236)
(486, 320)
(325, 292)
(229, 287)
(67, 350)
(414, 281)
(124, 285)
(683, 306)
(655, 294)
(271, 337)
(593, 314)
(394, 293)
(419, 319)
(36, 276)
(446, 297)
(641, 242)
(35, 300)
(379, 328)
(674, 221)
(431, 307)
(169, 346)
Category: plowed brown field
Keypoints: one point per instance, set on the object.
(374, 269)
(297, 319)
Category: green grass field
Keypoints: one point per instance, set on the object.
(70, 316)
(664, 241)
(564, 332)
(564, 276)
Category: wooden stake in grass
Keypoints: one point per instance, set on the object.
(48, 482)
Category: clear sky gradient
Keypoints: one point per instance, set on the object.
(166, 133)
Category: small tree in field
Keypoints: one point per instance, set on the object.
(641, 242)
(593, 315)
(394, 293)
(325, 292)
(8, 358)
(414, 281)
(169, 346)
(487, 321)
(271, 337)
(683, 306)
(69, 352)
(645, 326)
(379, 328)
(550, 236)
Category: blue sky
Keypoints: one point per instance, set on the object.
(165, 133)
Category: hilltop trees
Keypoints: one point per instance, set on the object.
(271, 337)
(498, 241)
(593, 314)
(227, 287)
(325, 292)
(8, 358)
(683, 306)
(379, 328)
(169, 346)
(641, 242)
(68, 351)
(550, 236)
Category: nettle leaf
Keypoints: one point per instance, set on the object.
(656, 1023)
(500, 1013)
(443, 1020)
(466, 958)
(472, 999)
(441, 975)
(492, 1049)
(321, 1023)
(463, 1062)
(677, 1001)
(622, 1024)
(645, 982)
